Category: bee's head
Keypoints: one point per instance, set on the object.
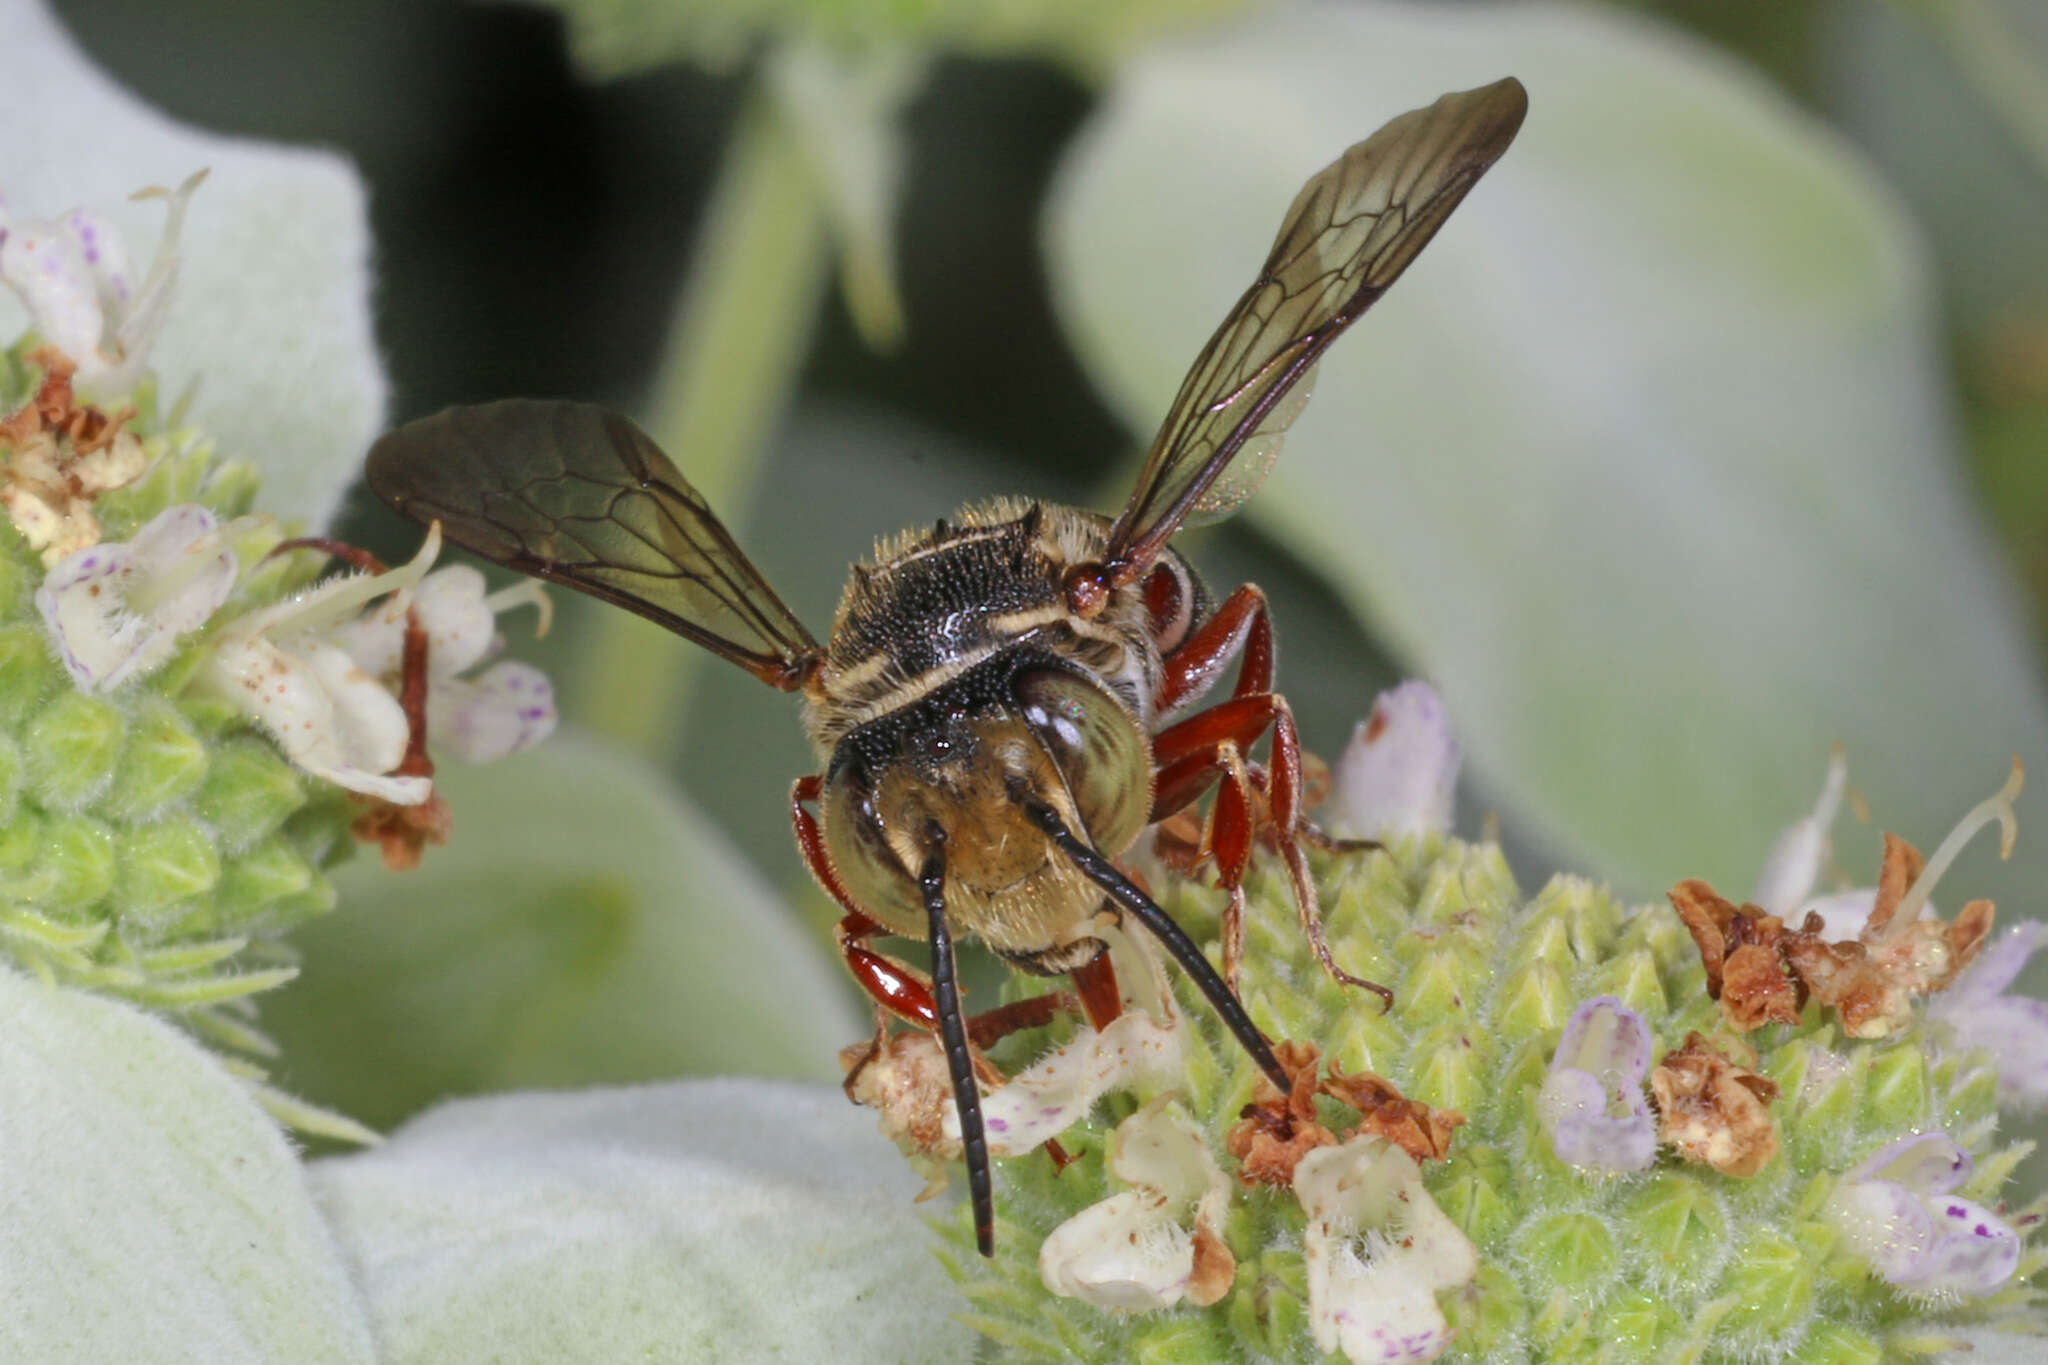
(956, 770)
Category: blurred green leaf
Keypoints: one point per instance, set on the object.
(270, 319)
(154, 1213)
(731, 1221)
(616, 37)
(1648, 462)
(584, 925)
(1909, 82)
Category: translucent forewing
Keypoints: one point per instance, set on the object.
(1349, 234)
(578, 495)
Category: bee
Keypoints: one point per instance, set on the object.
(1005, 701)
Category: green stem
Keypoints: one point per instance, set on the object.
(739, 336)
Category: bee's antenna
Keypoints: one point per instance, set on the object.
(953, 1034)
(1125, 893)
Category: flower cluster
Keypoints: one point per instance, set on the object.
(190, 724)
(1557, 1142)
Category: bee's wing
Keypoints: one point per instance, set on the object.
(1349, 234)
(577, 494)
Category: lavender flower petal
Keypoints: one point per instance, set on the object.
(1398, 774)
(1592, 1101)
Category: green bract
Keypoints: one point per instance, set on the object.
(1667, 1261)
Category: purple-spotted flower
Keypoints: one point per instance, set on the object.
(1898, 1212)
(1058, 1090)
(1977, 1012)
(1156, 1243)
(1377, 1250)
(508, 707)
(1592, 1102)
(116, 610)
(1399, 772)
(72, 273)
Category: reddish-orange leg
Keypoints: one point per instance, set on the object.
(903, 991)
(1210, 747)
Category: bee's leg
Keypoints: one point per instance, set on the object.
(1209, 747)
(1095, 984)
(897, 987)
(1240, 626)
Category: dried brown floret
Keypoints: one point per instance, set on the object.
(1740, 948)
(1713, 1110)
(1215, 1267)
(1274, 1132)
(1762, 972)
(1756, 988)
(60, 455)
(1417, 1129)
(402, 833)
(1871, 980)
(903, 1077)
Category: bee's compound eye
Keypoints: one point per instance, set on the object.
(857, 843)
(1100, 750)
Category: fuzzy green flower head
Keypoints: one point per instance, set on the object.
(190, 726)
(1582, 1131)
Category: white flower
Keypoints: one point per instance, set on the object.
(1896, 1211)
(115, 611)
(1057, 1091)
(72, 273)
(507, 708)
(1592, 1102)
(1137, 1251)
(1400, 770)
(282, 666)
(1377, 1249)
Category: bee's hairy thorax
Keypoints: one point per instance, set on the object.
(940, 601)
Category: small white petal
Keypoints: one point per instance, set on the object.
(1055, 1092)
(1125, 1253)
(47, 270)
(106, 256)
(116, 610)
(1135, 1252)
(329, 717)
(509, 707)
(1842, 915)
(460, 624)
(1377, 1250)
(1795, 862)
(1400, 770)
(1883, 1224)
